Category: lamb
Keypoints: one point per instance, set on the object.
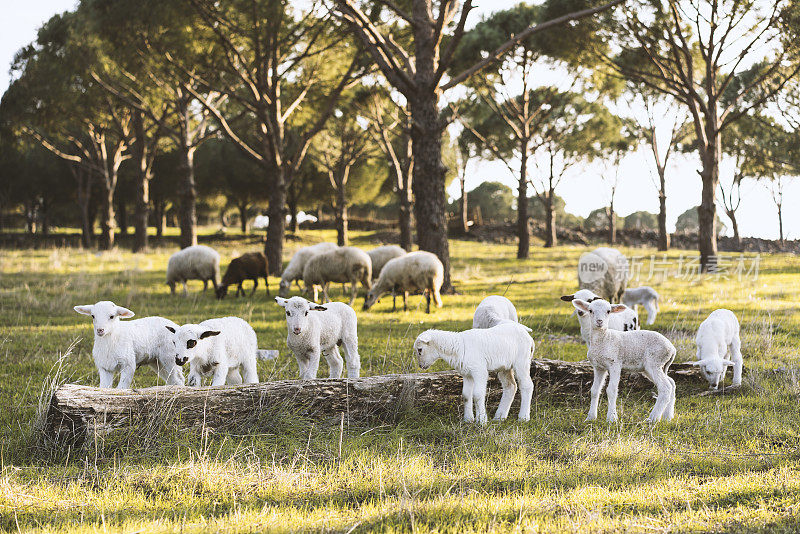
(248, 266)
(647, 297)
(224, 348)
(610, 351)
(344, 264)
(624, 321)
(416, 271)
(381, 255)
(492, 311)
(718, 335)
(604, 271)
(320, 332)
(197, 262)
(506, 348)
(124, 346)
(294, 271)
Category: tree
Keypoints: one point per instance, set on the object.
(694, 51)
(434, 37)
(688, 222)
(494, 200)
(643, 220)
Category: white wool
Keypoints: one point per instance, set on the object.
(611, 351)
(381, 255)
(612, 284)
(506, 348)
(197, 262)
(492, 311)
(624, 321)
(717, 336)
(343, 265)
(225, 349)
(319, 329)
(416, 271)
(123, 346)
(644, 296)
(294, 270)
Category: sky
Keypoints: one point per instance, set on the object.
(582, 188)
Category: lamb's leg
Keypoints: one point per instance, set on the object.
(266, 284)
(466, 395)
(240, 290)
(325, 297)
(353, 291)
(220, 375)
(480, 381)
(437, 298)
(106, 378)
(651, 312)
(335, 362)
(428, 301)
(523, 372)
(171, 374)
(255, 286)
(250, 372)
(205, 285)
(405, 300)
(312, 366)
(171, 287)
(353, 359)
(394, 300)
(509, 390)
(611, 393)
(669, 411)
(736, 357)
(597, 388)
(664, 398)
(126, 376)
(185, 289)
(194, 379)
(234, 377)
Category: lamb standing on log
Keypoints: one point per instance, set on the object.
(381, 255)
(611, 351)
(492, 311)
(506, 348)
(416, 271)
(294, 271)
(315, 330)
(124, 346)
(248, 266)
(716, 336)
(604, 271)
(225, 349)
(344, 265)
(645, 296)
(197, 262)
(623, 321)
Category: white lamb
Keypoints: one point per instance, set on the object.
(718, 335)
(294, 270)
(624, 321)
(416, 271)
(197, 262)
(320, 332)
(610, 280)
(645, 296)
(506, 348)
(123, 346)
(611, 351)
(381, 255)
(493, 310)
(225, 349)
(344, 265)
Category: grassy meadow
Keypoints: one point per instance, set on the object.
(725, 463)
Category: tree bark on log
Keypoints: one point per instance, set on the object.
(76, 411)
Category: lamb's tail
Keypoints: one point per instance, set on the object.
(267, 354)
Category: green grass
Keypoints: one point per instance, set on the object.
(723, 464)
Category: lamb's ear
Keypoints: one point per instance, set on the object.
(281, 301)
(318, 308)
(209, 333)
(124, 312)
(169, 328)
(581, 305)
(697, 363)
(727, 363)
(424, 337)
(85, 310)
(616, 308)
(567, 298)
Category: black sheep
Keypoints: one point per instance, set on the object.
(248, 266)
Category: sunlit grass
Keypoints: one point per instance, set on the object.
(723, 464)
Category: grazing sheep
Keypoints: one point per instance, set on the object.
(344, 264)
(506, 348)
(225, 349)
(623, 321)
(246, 267)
(320, 332)
(124, 346)
(381, 255)
(492, 311)
(197, 262)
(647, 297)
(718, 335)
(294, 271)
(604, 271)
(416, 271)
(611, 351)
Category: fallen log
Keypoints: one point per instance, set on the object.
(76, 411)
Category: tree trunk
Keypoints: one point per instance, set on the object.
(342, 239)
(780, 223)
(550, 237)
(706, 212)
(107, 223)
(122, 216)
(78, 412)
(273, 247)
(292, 204)
(142, 210)
(161, 218)
(523, 230)
(612, 225)
(243, 222)
(663, 235)
(736, 237)
(94, 206)
(187, 194)
(464, 201)
(44, 217)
